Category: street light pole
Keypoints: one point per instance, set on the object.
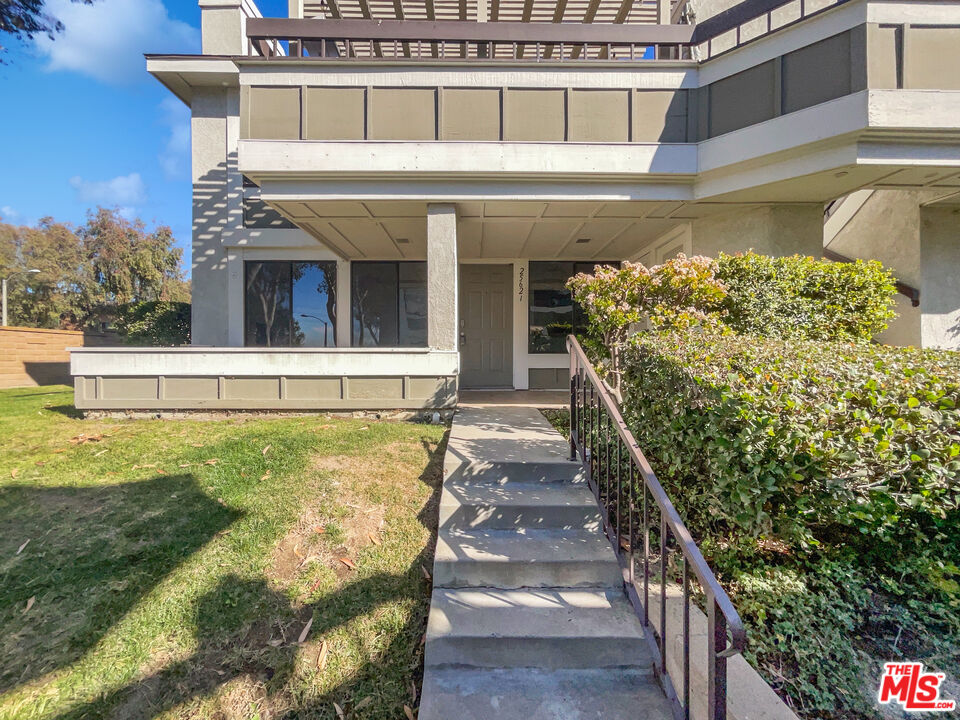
(4, 283)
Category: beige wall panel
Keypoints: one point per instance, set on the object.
(470, 114)
(816, 73)
(882, 57)
(252, 389)
(534, 115)
(334, 113)
(387, 390)
(776, 230)
(438, 390)
(548, 378)
(932, 58)
(200, 388)
(318, 388)
(599, 116)
(273, 113)
(660, 116)
(743, 99)
(403, 114)
(129, 388)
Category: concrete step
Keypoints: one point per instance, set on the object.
(493, 472)
(524, 558)
(531, 694)
(550, 628)
(530, 505)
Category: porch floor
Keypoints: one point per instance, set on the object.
(546, 399)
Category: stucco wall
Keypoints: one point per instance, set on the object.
(32, 356)
(887, 228)
(772, 230)
(940, 286)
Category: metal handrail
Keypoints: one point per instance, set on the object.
(598, 434)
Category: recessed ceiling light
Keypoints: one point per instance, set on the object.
(581, 241)
(403, 241)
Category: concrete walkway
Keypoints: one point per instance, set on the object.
(528, 617)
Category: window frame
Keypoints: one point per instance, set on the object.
(290, 296)
(353, 284)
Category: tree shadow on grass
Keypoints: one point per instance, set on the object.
(93, 552)
(248, 630)
(66, 410)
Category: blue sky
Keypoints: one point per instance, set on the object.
(83, 124)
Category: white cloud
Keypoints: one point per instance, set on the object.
(123, 191)
(174, 159)
(8, 213)
(107, 40)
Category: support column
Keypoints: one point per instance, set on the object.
(442, 277)
(344, 305)
(940, 281)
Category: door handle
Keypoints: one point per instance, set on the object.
(463, 339)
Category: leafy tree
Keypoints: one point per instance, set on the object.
(23, 19)
(86, 273)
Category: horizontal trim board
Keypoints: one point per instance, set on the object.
(249, 362)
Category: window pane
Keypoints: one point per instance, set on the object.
(551, 310)
(413, 305)
(374, 308)
(314, 304)
(267, 304)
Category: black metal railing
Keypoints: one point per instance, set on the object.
(652, 543)
(466, 40)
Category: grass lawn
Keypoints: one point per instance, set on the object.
(169, 569)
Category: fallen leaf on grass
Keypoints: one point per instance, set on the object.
(196, 444)
(339, 711)
(30, 603)
(426, 573)
(274, 643)
(41, 463)
(349, 563)
(322, 656)
(81, 439)
(211, 461)
(408, 712)
(373, 538)
(98, 454)
(59, 450)
(14, 472)
(143, 467)
(313, 588)
(365, 428)
(185, 465)
(326, 427)
(363, 703)
(413, 692)
(161, 472)
(20, 549)
(305, 631)
(265, 476)
(319, 529)
(266, 449)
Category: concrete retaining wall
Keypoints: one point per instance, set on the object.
(36, 356)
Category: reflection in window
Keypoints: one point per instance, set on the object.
(389, 304)
(290, 304)
(553, 314)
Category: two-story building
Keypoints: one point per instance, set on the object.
(389, 197)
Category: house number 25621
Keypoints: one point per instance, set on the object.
(520, 283)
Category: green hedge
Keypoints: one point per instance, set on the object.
(810, 442)
(157, 323)
(822, 481)
(802, 297)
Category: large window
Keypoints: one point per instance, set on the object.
(290, 304)
(553, 314)
(389, 304)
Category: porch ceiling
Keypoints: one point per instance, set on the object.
(397, 229)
